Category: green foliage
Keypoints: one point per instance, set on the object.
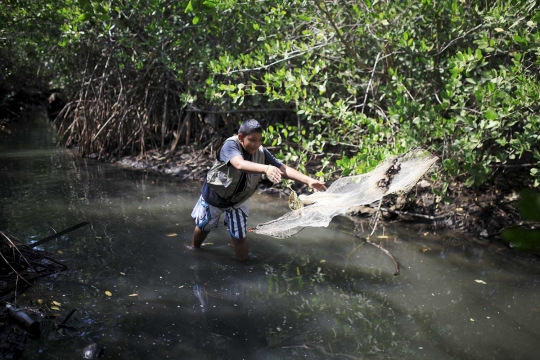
(356, 81)
(519, 237)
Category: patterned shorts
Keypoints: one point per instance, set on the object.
(207, 217)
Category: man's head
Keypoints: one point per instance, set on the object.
(250, 135)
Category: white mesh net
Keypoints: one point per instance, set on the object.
(398, 174)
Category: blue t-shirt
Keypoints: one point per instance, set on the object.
(229, 150)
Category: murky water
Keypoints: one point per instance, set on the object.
(321, 294)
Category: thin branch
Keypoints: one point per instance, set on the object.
(460, 37)
(264, 67)
(196, 110)
(347, 45)
(380, 247)
(370, 81)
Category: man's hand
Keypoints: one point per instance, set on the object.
(273, 173)
(317, 185)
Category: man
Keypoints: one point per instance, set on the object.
(233, 179)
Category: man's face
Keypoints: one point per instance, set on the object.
(250, 142)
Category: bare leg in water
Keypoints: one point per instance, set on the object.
(198, 237)
(240, 245)
(242, 248)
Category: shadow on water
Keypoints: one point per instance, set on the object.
(319, 295)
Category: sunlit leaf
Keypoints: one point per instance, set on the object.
(189, 7)
(172, 234)
(40, 301)
(209, 4)
(60, 252)
(133, 295)
(108, 293)
(122, 273)
(83, 17)
(55, 308)
(481, 282)
(56, 303)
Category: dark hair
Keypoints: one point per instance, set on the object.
(249, 127)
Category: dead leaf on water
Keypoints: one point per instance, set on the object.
(108, 293)
(424, 250)
(40, 301)
(481, 282)
(148, 197)
(55, 308)
(60, 252)
(139, 208)
(172, 234)
(56, 303)
(122, 273)
(472, 319)
(322, 261)
(133, 295)
(383, 237)
(181, 286)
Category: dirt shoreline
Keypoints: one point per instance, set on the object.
(480, 211)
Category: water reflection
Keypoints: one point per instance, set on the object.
(322, 294)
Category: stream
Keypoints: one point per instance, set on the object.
(141, 292)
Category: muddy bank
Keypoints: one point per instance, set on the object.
(481, 211)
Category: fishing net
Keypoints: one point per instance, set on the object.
(395, 175)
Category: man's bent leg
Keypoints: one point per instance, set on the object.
(242, 248)
(198, 237)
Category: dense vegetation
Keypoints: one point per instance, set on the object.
(338, 83)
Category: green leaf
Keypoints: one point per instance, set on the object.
(522, 239)
(196, 20)
(529, 205)
(210, 4)
(83, 17)
(189, 7)
(86, 5)
(490, 114)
